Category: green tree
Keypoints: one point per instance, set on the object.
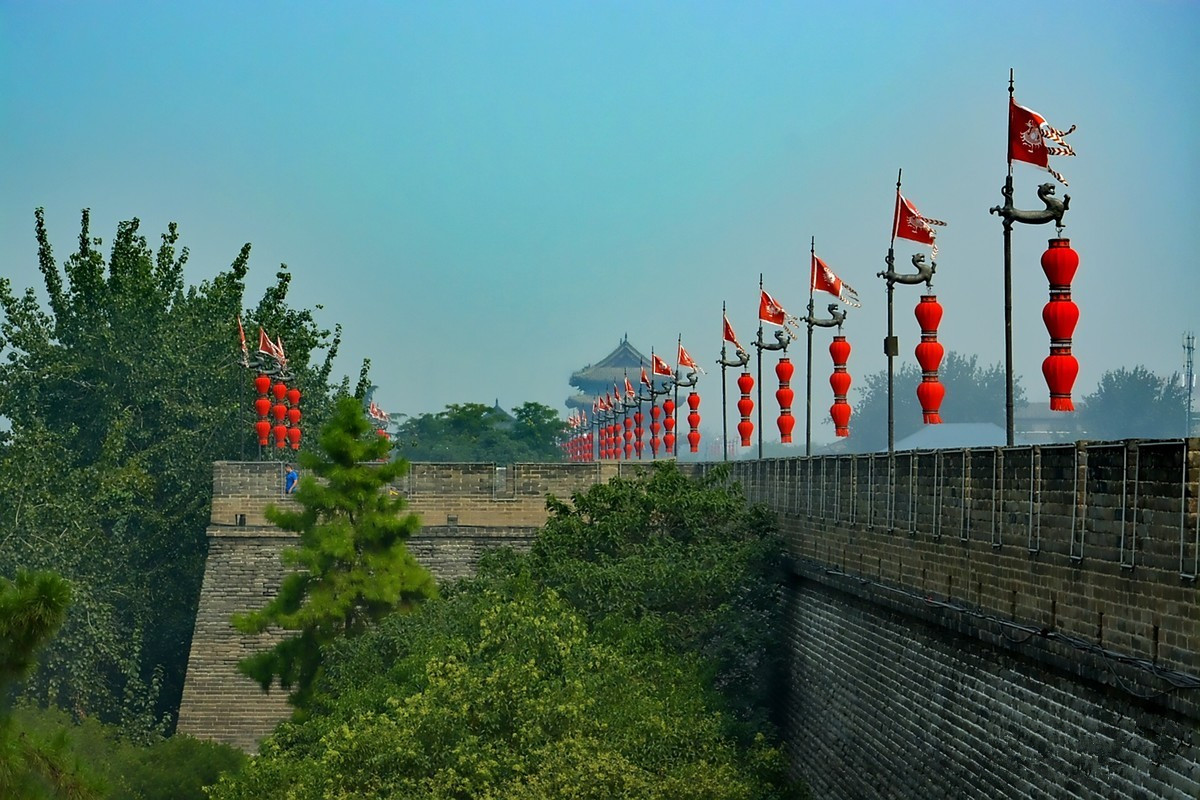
(477, 432)
(1135, 404)
(352, 563)
(503, 692)
(119, 397)
(974, 393)
(32, 607)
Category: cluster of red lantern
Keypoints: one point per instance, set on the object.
(1061, 315)
(930, 390)
(638, 431)
(785, 396)
(745, 406)
(578, 446)
(628, 438)
(693, 418)
(669, 426)
(839, 350)
(286, 427)
(655, 427)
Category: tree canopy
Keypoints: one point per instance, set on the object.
(477, 432)
(119, 395)
(1135, 404)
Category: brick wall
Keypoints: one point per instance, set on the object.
(465, 509)
(978, 607)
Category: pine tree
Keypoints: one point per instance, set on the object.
(353, 567)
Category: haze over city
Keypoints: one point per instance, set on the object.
(488, 197)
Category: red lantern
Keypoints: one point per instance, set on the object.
(628, 438)
(294, 437)
(293, 397)
(263, 429)
(279, 411)
(839, 350)
(280, 435)
(693, 418)
(293, 415)
(784, 370)
(745, 406)
(280, 391)
(262, 384)
(929, 352)
(262, 405)
(1060, 314)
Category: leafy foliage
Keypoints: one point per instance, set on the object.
(628, 656)
(119, 397)
(974, 393)
(177, 768)
(1135, 404)
(32, 607)
(502, 692)
(352, 564)
(476, 432)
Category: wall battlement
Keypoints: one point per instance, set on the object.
(948, 608)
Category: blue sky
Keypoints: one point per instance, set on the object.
(490, 195)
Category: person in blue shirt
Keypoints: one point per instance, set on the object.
(290, 479)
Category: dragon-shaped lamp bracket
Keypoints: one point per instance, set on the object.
(836, 318)
(1054, 210)
(690, 380)
(924, 273)
(782, 340)
(743, 358)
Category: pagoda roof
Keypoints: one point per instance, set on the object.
(624, 360)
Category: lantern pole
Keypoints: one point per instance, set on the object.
(836, 318)
(1054, 210)
(758, 346)
(742, 358)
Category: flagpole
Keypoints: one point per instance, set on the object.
(1008, 346)
(891, 346)
(760, 330)
(724, 409)
(812, 265)
(675, 411)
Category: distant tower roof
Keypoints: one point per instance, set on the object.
(596, 379)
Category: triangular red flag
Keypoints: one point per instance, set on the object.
(729, 335)
(646, 379)
(629, 392)
(685, 359)
(823, 280)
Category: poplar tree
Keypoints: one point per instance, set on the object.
(353, 567)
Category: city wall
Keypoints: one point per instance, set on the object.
(987, 622)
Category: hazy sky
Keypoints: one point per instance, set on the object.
(490, 195)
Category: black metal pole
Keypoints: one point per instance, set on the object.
(1009, 428)
(808, 392)
(760, 391)
(890, 348)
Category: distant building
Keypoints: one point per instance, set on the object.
(1035, 423)
(596, 380)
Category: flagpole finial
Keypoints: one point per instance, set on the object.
(1010, 81)
(899, 172)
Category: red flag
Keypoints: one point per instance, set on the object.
(279, 350)
(645, 379)
(769, 310)
(265, 345)
(685, 358)
(908, 223)
(629, 392)
(242, 338)
(1027, 134)
(660, 367)
(729, 335)
(823, 280)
